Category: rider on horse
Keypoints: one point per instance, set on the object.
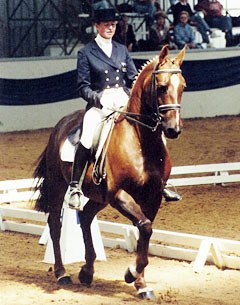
(105, 75)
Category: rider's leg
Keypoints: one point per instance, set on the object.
(92, 126)
(91, 122)
(81, 159)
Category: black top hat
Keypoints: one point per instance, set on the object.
(108, 14)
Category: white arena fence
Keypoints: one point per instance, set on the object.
(189, 247)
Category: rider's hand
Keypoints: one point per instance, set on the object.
(96, 100)
(107, 99)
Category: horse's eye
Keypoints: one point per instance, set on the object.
(162, 89)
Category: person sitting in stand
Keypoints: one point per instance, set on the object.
(105, 73)
(213, 11)
(195, 19)
(124, 34)
(159, 32)
(183, 33)
(146, 7)
(100, 4)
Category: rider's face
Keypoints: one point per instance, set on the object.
(106, 29)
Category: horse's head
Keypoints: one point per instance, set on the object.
(167, 85)
(160, 89)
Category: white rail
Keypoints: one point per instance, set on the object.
(182, 246)
(205, 174)
(189, 247)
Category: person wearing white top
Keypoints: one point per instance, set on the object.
(105, 75)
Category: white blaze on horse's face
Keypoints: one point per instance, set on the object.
(175, 82)
(171, 122)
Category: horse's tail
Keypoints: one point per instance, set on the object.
(41, 184)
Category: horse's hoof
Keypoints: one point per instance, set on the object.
(64, 280)
(85, 278)
(146, 294)
(129, 278)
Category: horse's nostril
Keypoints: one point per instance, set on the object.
(173, 132)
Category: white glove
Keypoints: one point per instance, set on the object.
(114, 98)
(107, 99)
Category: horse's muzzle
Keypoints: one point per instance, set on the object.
(172, 133)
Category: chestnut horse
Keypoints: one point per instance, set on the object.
(137, 166)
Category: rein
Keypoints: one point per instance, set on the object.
(132, 117)
(156, 117)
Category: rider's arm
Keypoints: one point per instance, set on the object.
(84, 81)
(131, 70)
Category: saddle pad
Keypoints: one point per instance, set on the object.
(67, 151)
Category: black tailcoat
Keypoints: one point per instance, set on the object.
(96, 71)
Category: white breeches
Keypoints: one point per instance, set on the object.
(111, 99)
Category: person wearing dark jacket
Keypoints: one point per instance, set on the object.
(124, 34)
(105, 72)
(159, 32)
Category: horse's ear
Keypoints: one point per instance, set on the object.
(164, 52)
(179, 58)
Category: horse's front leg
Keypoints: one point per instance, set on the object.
(86, 217)
(128, 207)
(135, 273)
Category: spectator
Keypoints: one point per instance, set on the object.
(125, 35)
(157, 5)
(146, 7)
(105, 75)
(195, 18)
(100, 4)
(172, 3)
(159, 32)
(183, 33)
(213, 11)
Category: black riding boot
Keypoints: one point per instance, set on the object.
(80, 161)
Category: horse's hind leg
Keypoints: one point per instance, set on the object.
(86, 218)
(54, 222)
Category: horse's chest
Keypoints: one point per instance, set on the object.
(147, 174)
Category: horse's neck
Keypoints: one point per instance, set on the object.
(137, 94)
(151, 142)
(134, 103)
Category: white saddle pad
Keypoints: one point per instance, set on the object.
(67, 150)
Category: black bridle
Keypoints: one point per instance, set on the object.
(158, 111)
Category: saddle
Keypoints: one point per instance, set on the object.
(98, 151)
